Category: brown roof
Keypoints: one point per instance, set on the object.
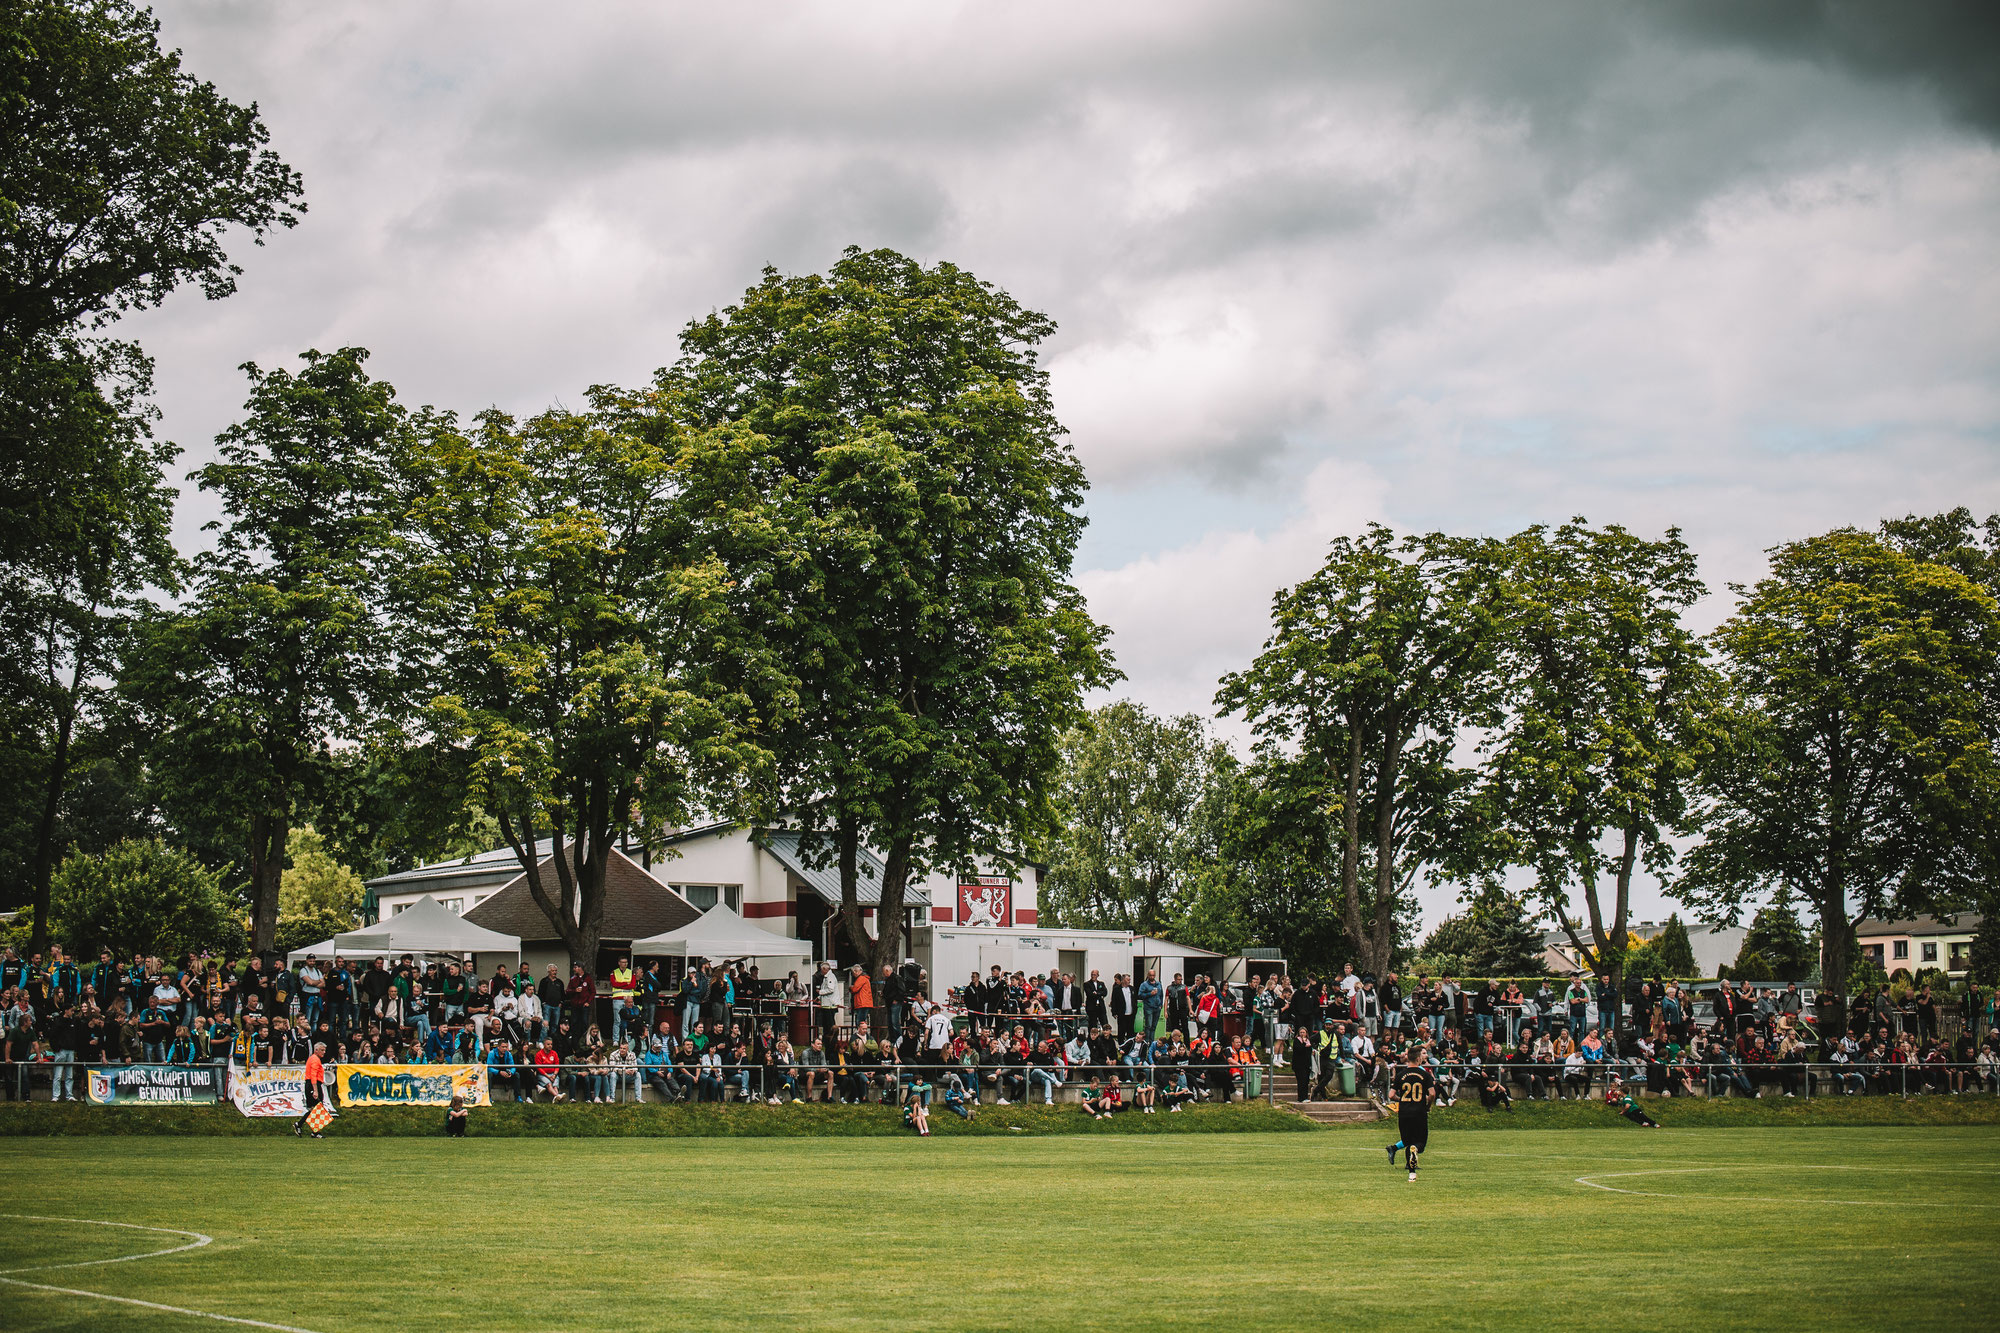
(635, 905)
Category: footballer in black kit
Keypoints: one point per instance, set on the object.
(1416, 1089)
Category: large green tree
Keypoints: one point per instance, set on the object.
(282, 650)
(121, 174)
(893, 424)
(141, 897)
(580, 646)
(1778, 937)
(1139, 801)
(1674, 949)
(1274, 880)
(121, 178)
(84, 531)
(1375, 666)
(1860, 762)
(1610, 709)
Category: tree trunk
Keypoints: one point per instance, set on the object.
(268, 834)
(576, 911)
(1381, 944)
(1350, 849)
(887, 950)
(848, 847)
(58, 782)
(1619, 918)
(1836, 939)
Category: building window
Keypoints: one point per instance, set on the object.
(1902, 948)
(452, 904)
(396, 909)
(1874, 952)
(1959, 949)
(1930, 953)
(704, 896)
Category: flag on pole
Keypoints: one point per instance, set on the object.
(319, 1117)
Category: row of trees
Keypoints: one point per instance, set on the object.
(1475, 711)
(816, 569)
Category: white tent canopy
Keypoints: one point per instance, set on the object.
(721, 934)
(424, 927)
(326, 949)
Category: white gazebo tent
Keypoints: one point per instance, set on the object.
(327, 948)
(720, 935)
(424, 927)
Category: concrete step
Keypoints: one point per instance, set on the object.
(1343, 1112)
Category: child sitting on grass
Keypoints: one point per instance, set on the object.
(916, 1106)
(454, 1119)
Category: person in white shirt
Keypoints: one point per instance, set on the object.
(937, 1035)
(1576, 1074)
(507, 1012)
(1078, 1050)
(826, 997)
(528, 1013)
(1348, 981)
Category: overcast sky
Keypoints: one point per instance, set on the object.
(1725, 266)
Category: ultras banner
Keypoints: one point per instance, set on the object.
(274, 1091)
(119, 1085)
(410, 1085)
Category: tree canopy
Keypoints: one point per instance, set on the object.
(122, 178)
(1860, 757)
(121, 174)
(918, 511)
(1606, 722)
(1140, 803)
(1374, 665)
(141, 897)
(575, 641)
(283, 646)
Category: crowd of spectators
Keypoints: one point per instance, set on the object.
(722, 1033)
(1504, 1042)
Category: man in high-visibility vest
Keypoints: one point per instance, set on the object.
(624, 990)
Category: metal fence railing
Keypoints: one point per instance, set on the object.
(1161, 1084)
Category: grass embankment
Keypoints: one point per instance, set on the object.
(645, 1121)
(1729, 1113)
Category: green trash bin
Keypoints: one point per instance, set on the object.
(1253, 1082)
(1347, 1080)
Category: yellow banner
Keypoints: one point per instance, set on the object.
(410, 1085)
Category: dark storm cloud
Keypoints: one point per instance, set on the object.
(1951, 47)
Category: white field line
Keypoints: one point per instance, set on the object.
(1593, 1182)
(195, 1244)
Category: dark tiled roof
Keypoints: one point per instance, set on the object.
(635, 905)
(1957, 924)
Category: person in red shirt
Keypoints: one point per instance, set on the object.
(548, 1072)
(315, 1087)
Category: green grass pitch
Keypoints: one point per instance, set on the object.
(1720, 1228)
